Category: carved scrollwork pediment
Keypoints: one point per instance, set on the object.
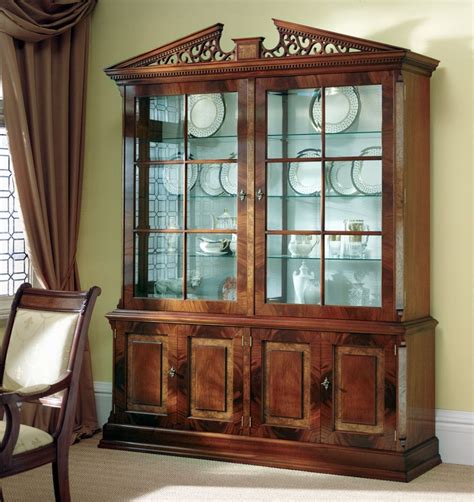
(299, 40)
(200, 47)
(186, 55)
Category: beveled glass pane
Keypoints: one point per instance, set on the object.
(294, 196)
(212, 126)
(158, 265)
(160, 128)
(353, 270)
(290, 123)
(212, 267)
(293, 269)
(210, 206)
(353, 120)
(354, 194)
(159, 199)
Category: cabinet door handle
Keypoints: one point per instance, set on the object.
(242, 194)
(260, 194)
(172, 372)
(326, 383)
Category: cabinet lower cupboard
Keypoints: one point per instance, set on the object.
(275, 302)
(344, 398)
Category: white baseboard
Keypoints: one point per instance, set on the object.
(103, 401)
(454, 429)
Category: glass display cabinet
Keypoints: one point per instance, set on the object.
(188, 231)
(275, 302)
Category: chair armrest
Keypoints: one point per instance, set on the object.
(34, 391)
(26, 391)
(10, 401)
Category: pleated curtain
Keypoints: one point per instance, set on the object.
(43, 63)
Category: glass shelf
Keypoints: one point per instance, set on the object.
(210, 255)
(346, 258)
(318, 134)
(335, 195)
(215, 137)
(212, 197)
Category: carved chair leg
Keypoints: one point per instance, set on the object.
(61, 475)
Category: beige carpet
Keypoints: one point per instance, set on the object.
(107, 475)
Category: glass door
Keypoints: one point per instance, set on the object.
(189, 198)
(321, 198)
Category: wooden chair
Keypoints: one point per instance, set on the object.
(40, 361)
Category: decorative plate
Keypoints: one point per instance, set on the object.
(229, 289)
(206, 113)
(228, 178)
(367, 177)
(173, 177)
(342, 108)
(209, 179)
(340, 178)
(304, 177)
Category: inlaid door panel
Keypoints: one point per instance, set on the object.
(358, 390)
(145, 392)
(147, 382)
(285, 385)
(210, 379)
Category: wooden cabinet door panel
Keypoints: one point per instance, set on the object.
(359, 384)
(210, 379)
(358, 403)
(144, 390)
(285, 385)
(147, 365)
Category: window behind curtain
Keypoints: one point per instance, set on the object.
(14, 261)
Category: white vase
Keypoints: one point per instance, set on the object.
(300, 281)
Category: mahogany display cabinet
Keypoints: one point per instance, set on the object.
(276, 296)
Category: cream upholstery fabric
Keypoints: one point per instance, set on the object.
(39, 347)
(29, 438)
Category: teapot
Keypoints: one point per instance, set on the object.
(224, 221)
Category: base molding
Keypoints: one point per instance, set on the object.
(379, 464)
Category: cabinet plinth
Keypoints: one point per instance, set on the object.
(275, 302)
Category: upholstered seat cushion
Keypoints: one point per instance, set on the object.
(29, 438)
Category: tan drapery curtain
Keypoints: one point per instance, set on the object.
(43, 56)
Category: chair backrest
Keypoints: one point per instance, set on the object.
(45, 339)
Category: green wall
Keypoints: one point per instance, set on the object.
(443, 30)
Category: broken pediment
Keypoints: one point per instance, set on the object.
(201, 52)
(295, 40)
